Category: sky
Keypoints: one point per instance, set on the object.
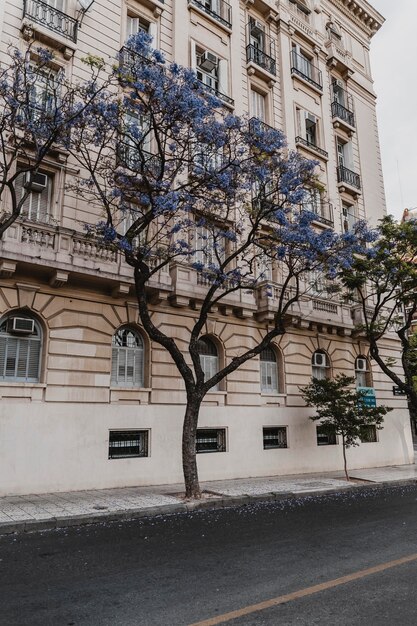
(394, 63)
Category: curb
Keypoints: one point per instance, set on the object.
(7, 528)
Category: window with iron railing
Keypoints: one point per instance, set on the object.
(303, 67)
(128, 362)
(219, 10)
(20, 349)
(260, 49)
(51, 14)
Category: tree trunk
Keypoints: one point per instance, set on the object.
(344, 458)
(189, 461)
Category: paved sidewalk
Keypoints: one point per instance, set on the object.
(55, 510)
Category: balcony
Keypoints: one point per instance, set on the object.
(257, 125)
(54, 20)
(343, 117)
(219, 10)
(339, 58)
(138, 160)
(323, 212)
(312, 147)
(222, 96)
(347, 180)
(303, 68)
(257, 57)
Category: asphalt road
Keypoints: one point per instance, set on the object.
(182, 569)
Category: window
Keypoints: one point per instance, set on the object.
(318, 287)
(344, 154)
(136, 139)
(263, 267)
(368, 434)
(256, 34)
(210, 440)
(301, 61)
(127, 367)
(209, 358)
(348, 216)
(326, 436)
(45, 90)
(210, 246)
(258, 105)
(362, 373)
(136, 24)
(125, 444)
(20, 349)
(275, 437)
(333, 32)
(211, 71)
(206, 159)
(300, 7)
(269, 371)
(320, 365)
(339, 92)
(36, 188)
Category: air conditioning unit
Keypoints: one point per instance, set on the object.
(361, 364)
(35, 181)
(21, 325)
(338, 83)
(319, 359)
(256, 28)
(208, 61)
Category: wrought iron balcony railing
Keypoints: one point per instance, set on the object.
(340, 111)
(255, 123)
(53, 19)
(138, 160)
(218, 94)
(261, 58)
(322, 210)
(220, 10)
(344, 175)
(301, 66)
(308, 144)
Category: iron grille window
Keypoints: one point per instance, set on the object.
(127, 359)
(20, 354)
(368, 434)
(275, 437)
(326, 437)
(128, 443)
(50, 14)
(211, 440)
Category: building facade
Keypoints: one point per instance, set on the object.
(87, 401)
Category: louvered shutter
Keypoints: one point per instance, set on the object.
(11, 355)
(3, 352)
(33, 360)
(115, 366)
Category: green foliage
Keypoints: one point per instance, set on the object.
(341, 409)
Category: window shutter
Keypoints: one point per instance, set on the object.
(11, 354)
(258, 105)
(3, 351)
(153, 33)
(33, 359)
(115, 366)
(132, 26)
(193, 55)
(223, 77)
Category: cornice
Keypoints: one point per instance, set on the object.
(361, 13)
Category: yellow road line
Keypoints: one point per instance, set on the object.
(301, 593)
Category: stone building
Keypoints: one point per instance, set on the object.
(86, 399)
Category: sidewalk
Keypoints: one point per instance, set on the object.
(57, 510)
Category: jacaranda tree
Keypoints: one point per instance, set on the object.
(38, 109)
(180, 180)
(382, 283)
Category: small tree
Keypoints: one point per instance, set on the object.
(342, 410)
(383, 284)
(182, 182)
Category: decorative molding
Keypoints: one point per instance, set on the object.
(359, 12)
(7, 268)
(59, 279)
(26, 294)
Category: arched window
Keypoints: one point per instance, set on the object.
(362, 372)
(209, 358)
(269, 371)
(127, 367)
(20, 349)
(320, 365)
